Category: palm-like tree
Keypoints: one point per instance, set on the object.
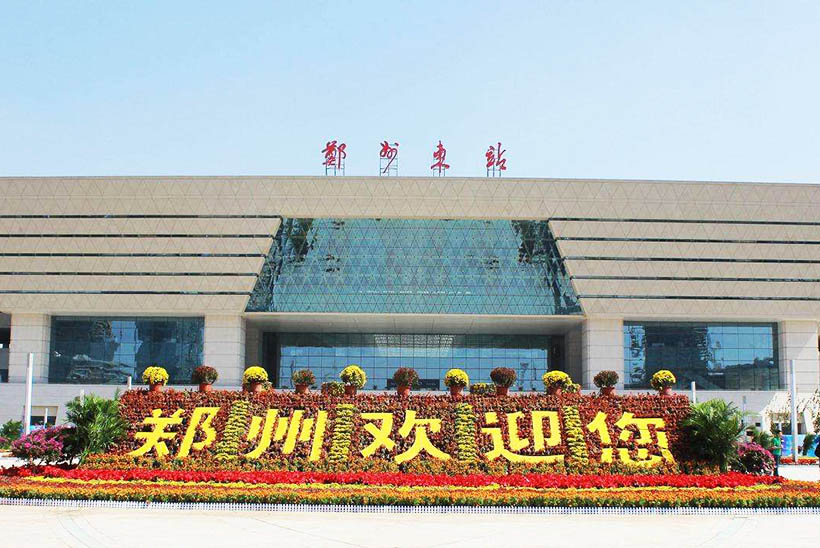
(713, 428)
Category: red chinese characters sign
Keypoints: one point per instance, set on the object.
(335, 155)
(388, 158)
(496, 163)
(439, 166)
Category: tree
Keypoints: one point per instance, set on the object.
(713, 428)
(97, 426)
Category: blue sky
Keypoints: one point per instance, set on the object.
(648, 90)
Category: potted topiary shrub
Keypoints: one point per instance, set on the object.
(254, 378)
(205, 376)
(555, 382)
(405, 378)
(302, 379)
(606, 381)
(662, 381)
(333, 388)
(482, 389)
(155, 377)
(354, 378)
(456, 380)
(504, 378)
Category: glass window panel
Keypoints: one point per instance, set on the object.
(716, 356)
(97, 350)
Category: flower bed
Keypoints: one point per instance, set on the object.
(731, 490)
(800, 460)
(419, 433)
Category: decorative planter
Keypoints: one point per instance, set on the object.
(608, 391)
(205, 387)
(350, 390)
(155, 388)
(456, 390)
(501, 390)
(255, 387)
(301, 388)
(555, 391)
(665, 391)
(403, 390)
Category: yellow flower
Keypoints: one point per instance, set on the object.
(456, 377)
(556, 378)
(662, 379)
(254, 374)
(155, 375)
(353, 375)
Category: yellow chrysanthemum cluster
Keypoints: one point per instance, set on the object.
(353, 375)
(465, 433)
(456, 377)
(155, 375)
(342, 432)
(662, 379)
(556, 378)
(254, 374)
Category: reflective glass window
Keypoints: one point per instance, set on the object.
(717, 356)
(100, 350)
(431, 355)
(414, 266)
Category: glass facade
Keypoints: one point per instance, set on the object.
(326, 354)
(717, 356)
(103, 350)
(414, 266)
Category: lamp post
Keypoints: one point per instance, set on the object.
(793, 382)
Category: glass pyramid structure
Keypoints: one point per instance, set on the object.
(414, 267)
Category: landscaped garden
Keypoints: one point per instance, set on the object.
(337, 446)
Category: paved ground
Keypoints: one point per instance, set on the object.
(35, 527)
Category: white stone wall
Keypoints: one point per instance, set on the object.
(602, 349)
(225, 347)
(30, 333)
(798, 342)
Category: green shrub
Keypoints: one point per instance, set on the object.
(762, 438)
(9, 432)
(97, 426)
(713, 428)
(808, 441)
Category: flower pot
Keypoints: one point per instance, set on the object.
(205, 387)
(555, 391)
(665, 391)
(501, 390)
(350, 390)
(301, 388)
(255, 387)
(155, 388)
(608, 391)
(403, 390)
(456, 390)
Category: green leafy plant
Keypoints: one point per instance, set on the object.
(808, 441)
(97, 426)
(762, 438)
(713, 428)
(9, 432)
